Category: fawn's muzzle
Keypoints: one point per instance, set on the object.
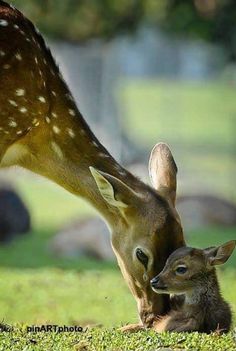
(157, 284)
(154, 282)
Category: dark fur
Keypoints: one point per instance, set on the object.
(197, 304)
(210, 312)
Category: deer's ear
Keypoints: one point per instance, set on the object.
(163, 171)
(114, 191)
(219, 255)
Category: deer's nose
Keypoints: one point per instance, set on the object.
(154, 281)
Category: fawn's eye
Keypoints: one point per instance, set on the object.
(181, 269)
(142, 257)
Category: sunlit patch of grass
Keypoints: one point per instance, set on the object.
(110, 339)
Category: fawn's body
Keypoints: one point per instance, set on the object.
(201, 308)
(41, 129)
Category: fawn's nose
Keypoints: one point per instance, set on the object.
(154, 281)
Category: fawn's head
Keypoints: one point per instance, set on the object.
(186, 267)
(147, 228)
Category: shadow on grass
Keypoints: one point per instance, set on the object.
(31, 251)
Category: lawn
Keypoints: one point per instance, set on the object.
(40, 289)
(37, 288)
(180, 111)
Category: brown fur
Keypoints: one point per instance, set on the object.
(201, 307)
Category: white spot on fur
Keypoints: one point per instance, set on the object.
(42, 99)
(71, 133)
(54, 93)
(47, 119)
(57, 149)
(12, 123)
(36, 60)
(23, 109)
(19, 132)
(69, 97)
(16, 26)
(3, 23)
(123, 173)
(94, 143)
(54, 114)
(71, 112)
(56, 129)
(12, 102)
(18, 57)
(6, 66)
(35, 122)
(20, 92)
(101, 154)
(2, 53)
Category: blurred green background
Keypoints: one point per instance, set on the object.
(194, 113)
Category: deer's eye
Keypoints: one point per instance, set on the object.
(142, 257)
(181, 270)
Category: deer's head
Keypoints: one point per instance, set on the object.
(147, 228)
(187, 268)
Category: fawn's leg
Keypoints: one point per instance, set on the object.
(176, 324)
(131, 328)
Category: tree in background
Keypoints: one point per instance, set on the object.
(80, 20)
(211, 20)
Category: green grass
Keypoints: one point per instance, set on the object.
(50, 205)
(53, 295)
(104, 340)
(37, 288)
(191, 113)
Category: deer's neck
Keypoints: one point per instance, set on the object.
(205, 293)
(67, 154)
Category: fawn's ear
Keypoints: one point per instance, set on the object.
(114, 191)
(163, 171)
(219, 255)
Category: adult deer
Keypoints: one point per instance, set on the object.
(42, 130)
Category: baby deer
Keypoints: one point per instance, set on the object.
(190, 275)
